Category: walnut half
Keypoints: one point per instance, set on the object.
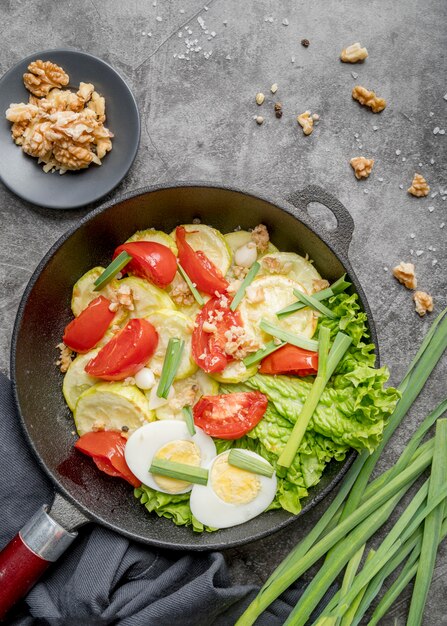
(43, 76)
(423, 302)
(405, 274)
(368, 99)
(305, 120)
(419, 187)
(362, 166)
(354, 53)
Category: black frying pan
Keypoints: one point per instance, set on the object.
(83, 492)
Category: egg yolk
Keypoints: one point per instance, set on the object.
(179, 451)
(233, 485)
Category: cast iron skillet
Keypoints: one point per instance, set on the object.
(45, 310)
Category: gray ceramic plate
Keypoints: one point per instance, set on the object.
(25, 177)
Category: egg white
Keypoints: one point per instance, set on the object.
(144, 443)
(209, 509)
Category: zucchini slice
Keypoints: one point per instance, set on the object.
(239, 238)
(147, 297)
(235, 372)
(211, 242)
(187, 392)
(83, 290)
(265, 297)
(291, 265)
(154, 235)
(169, 324)
(110, 406)
(76, 379)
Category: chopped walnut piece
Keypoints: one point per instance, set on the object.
(318, 284)
(65, 357)
(354, 53)
(305, 120)
(21, 112)
(368, 99)
(98, 426)
(260, 235)
(362, 166)
(43, 76)
(419, 187)
(85, 91)
(274, 266)
(239, 343)
(124, 296)
(423, 302)
(239, 272)
(405, 274)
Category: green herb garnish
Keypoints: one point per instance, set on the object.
(257, 356)
(313, 303)
(179, 471)
(112, 270)
(189, 419)
(340, 285)
(171, 364)
(287, 337)
(243, 460)
(198, 298)
(254, 269)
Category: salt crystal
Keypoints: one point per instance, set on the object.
(442, 131)
(149, 34)
(225, 22)
(419, 252)
(441, 225)
(201, 21)
(431, 113)
(356, 135)
(385, 268)
(431, 209)
(189, 32)
(380, 179)
(436, 130)
(434, 262)
(213, 34)
(159, 19)
(434, 194)
(365, 191)
(228, 58)
(401, 186)
(285, 22)
(375, 128)
(143, 33)
(182, 11)
(174, 55)
(397, 152)
(360, 145)
(207, 32)
(420, 164)
(209, 38)
(411, 251)
(412, 235)
(270, 19)
(432, 161)
(445, 97)
(430, 248)
(180, 34)
(293, 59)
(354, 75)
(154, 4)
(206, 8)
(403, 159)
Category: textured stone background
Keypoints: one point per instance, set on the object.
(197, 123)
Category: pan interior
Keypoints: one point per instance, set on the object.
(45, 311)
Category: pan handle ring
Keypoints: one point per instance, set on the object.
(340, 238)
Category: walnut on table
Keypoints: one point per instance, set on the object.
(354, 53)
(362, 166)
(368, 98)
(419, 187)
(405, 274)
(305, 120)
(423, 302)
(42, 76)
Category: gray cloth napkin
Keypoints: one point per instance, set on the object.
(106, 579)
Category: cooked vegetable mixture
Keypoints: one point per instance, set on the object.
(218, 375)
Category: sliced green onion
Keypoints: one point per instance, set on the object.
(179, 471)
(189, 419)
(326, 364)
(285, 335)
(432, 527)
(340, 285)
(198, 298)
(254, 269)
(171, 364)
(313, 303)
(112, 270)
(350, 572)
(257, 356)
(242, 460)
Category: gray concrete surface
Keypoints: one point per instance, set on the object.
(198, 123)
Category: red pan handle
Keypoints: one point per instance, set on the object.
(23, 561)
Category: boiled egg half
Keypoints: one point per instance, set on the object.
(232, 496)
(167, 439)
